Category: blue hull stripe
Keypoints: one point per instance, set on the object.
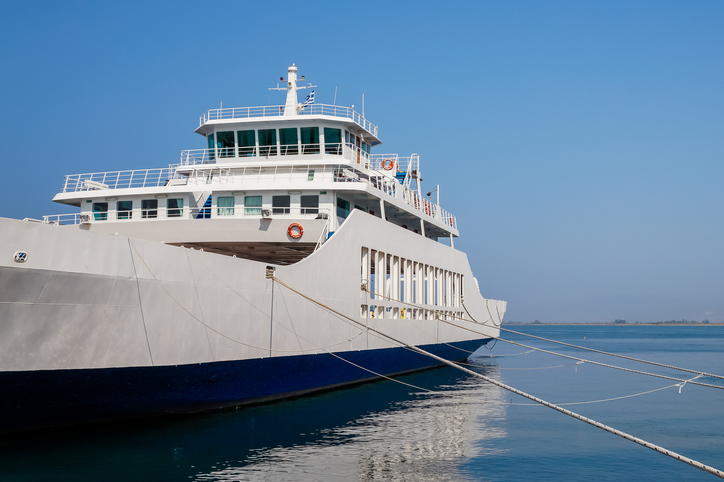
(50, 398)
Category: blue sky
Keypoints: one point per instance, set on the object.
(580, 144)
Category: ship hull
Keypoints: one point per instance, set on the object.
(54, 398)
(98, 327)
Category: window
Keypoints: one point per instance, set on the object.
(247, 143)
(268, 142)
(288, 141)
(252, 205)
(225, 143)
(210, 144)
(310, 140)
(149, 208)
(332, 141)
(100, 211)
(225, 206)
(310, 175)
(310, 204)
(280, 204)
(342, 208)
(124, 209)
(174, 208)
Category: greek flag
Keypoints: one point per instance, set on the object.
(309, 100)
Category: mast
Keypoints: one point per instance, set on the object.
(292, 106)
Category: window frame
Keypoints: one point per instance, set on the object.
(252, 210)
(278, 205)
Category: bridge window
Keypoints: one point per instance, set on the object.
(174, 208)
(225, 206)
(247, 143)
(310, 204)
(100, 211)
(252, 205)
(280, 204)
(268, 142)
(289, 141)
(332, 141)
(124, 209)
(342, 208)
(210, 144)
(149, 208)
(310, 140)
(225, 143)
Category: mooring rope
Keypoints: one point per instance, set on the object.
(560, 409)
(223, 335)
(615, 354)
(720, 387)
(562, 343)
(680, 385)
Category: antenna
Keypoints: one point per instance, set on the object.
(335, 95)
(292, 107)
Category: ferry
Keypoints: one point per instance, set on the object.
(283, 258)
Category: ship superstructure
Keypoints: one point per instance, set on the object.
(265, 169)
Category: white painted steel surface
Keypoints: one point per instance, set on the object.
(90, 300)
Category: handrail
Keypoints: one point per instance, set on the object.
(364, 172)
(278, 111)
(119, 179)
(193, 157)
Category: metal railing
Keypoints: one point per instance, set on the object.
(363, 173)
(278, 111)
(62, 219)
(194, 157)
(119, 179)
(401, 164)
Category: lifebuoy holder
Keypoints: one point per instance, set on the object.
(295, 234)
(388, 164)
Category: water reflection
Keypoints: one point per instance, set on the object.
(376, 431)
(411, 436)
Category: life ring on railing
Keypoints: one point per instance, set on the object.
(388, 164)
(295, 235)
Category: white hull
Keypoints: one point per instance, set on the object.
(89, 300)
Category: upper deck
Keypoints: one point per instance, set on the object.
(276, 112)
(262, 157)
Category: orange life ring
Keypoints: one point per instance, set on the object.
(292, 233)
(388, 164)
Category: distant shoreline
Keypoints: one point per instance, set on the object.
(613, 324)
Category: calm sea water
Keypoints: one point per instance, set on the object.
(465, 430)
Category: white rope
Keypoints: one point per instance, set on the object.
(266, 315)
(490, 318)
(680, 385)
(615, 354)
(500, 356)
(612, 366)
(589, 421)
(560, 354)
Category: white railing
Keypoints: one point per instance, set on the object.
(119, 180)
(193, 157)
(260, 174)
(62, 219)
(401, 164)
(278, 111)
